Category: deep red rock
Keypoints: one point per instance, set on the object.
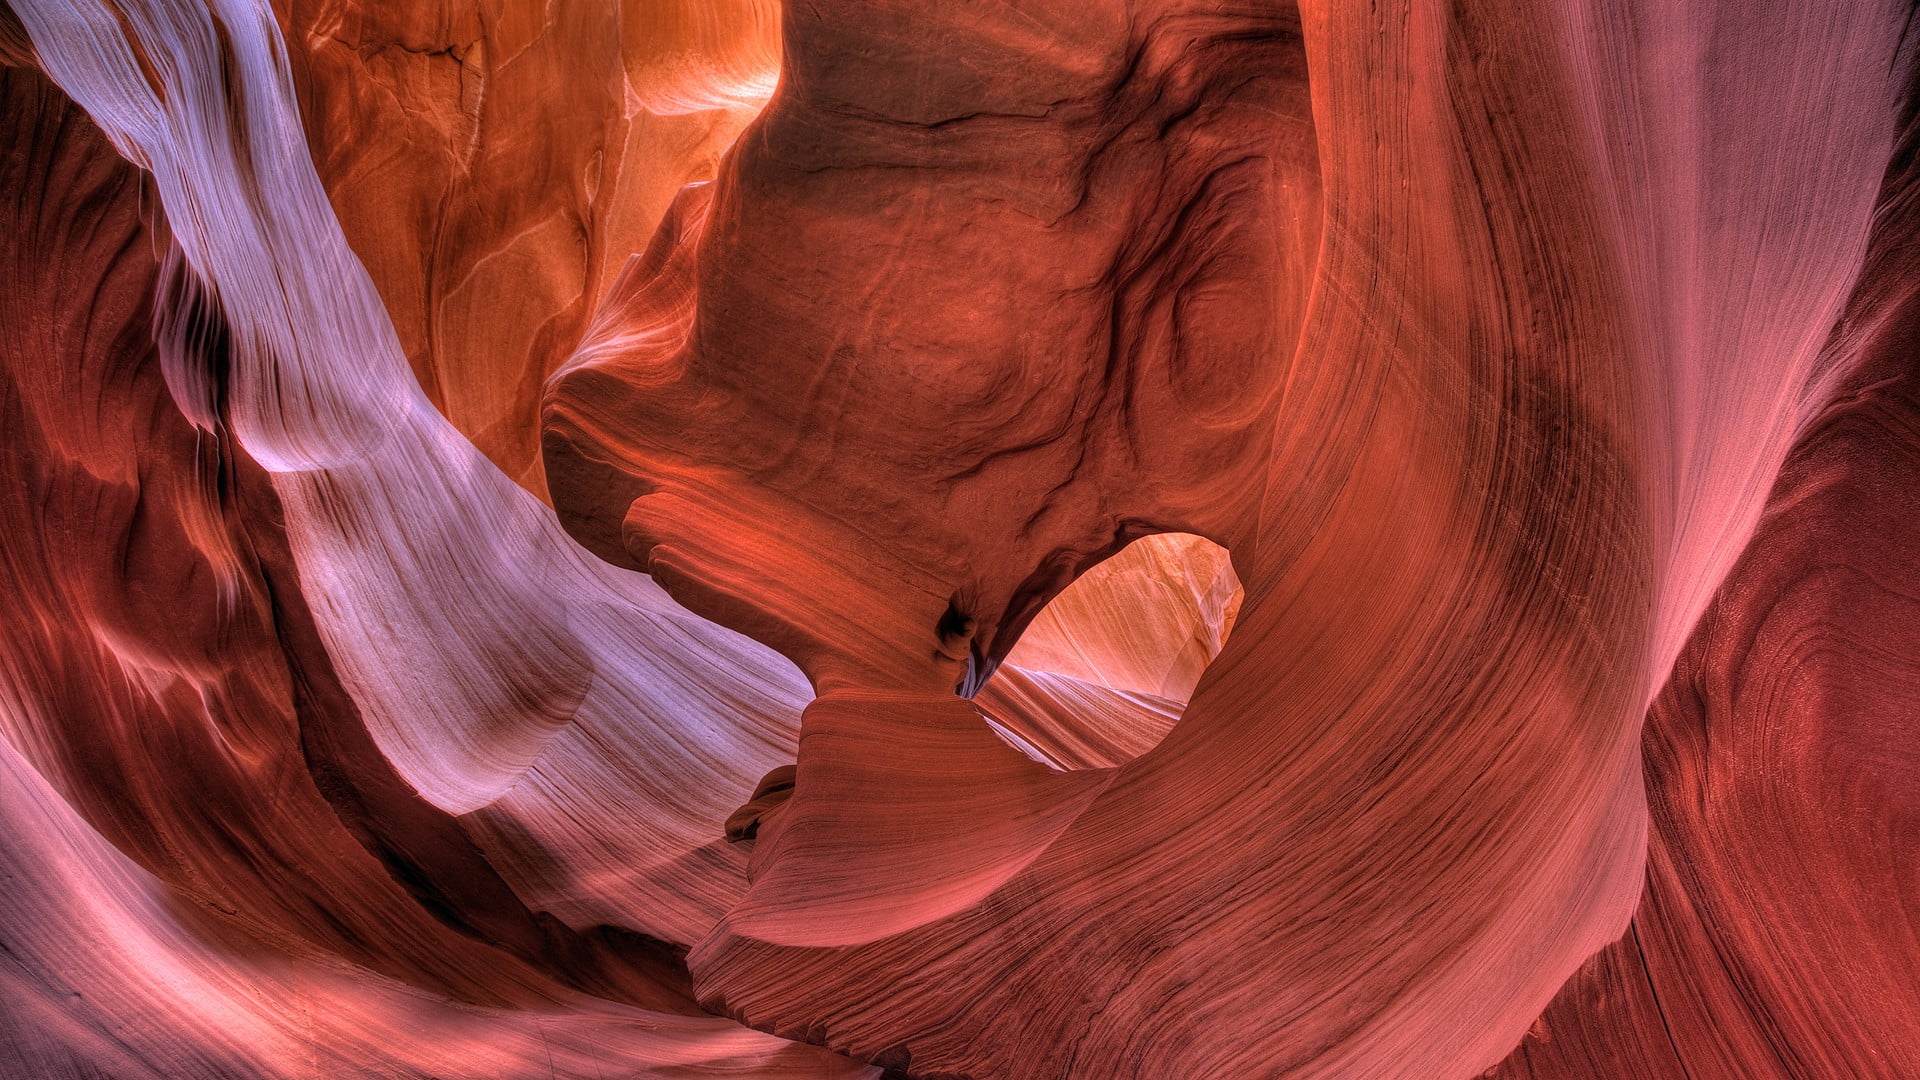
(1149, 539)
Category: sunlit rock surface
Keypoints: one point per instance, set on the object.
(1035, 540)
(493, 164)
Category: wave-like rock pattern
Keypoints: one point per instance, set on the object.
(1511, 445)
(210, 868)
(1135, 539)
(494, 163)
(1780, 927)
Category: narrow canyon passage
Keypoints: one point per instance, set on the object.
(1146, 538)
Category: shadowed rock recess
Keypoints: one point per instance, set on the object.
(1007, 540)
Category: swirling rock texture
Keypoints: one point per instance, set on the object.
(494, 164)
(1150, 538)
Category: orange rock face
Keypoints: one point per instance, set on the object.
(494, 165)
(888, 539)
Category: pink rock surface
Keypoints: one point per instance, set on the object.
(211, 870)
(1778, 934)
(1152, 539)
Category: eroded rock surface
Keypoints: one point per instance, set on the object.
(1140, 539)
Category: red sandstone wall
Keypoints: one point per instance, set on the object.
(1517, 404)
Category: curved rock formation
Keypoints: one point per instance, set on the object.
(1777, 933)
(212, 870)
(1509, 459)
(494, 164)
(1149, 539)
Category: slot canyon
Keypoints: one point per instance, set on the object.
(968, 540)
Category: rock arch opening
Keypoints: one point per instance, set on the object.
(1107, 667)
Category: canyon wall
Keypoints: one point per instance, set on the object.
(1145, 538)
